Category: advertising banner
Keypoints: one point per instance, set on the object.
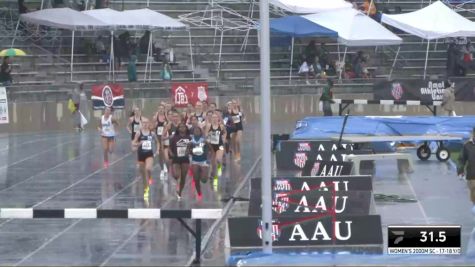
(4, 119)
(189, 93)
(107, 95)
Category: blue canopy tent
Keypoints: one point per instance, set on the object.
(297, 26)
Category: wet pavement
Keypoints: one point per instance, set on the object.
(44, 164)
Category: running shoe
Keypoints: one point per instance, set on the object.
(106, 164)
(150, 181)
(200, 197)
(215, 183)
(219, 170)
(178, 196)
(146, 192)
(162, 175)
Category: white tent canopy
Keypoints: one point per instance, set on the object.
(355, 28)
(432, 22)
(105, 19)
(64, 18)
(308, 6)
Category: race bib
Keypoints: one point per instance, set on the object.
(136, 127)
(160, 130)
(147, 145)
(166, 142)
(214, 138)
(236, 119)
(181, 151)
(198, 151)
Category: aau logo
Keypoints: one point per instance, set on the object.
(397, 91)
(107, 96)
(275, 230)
(304, 147)
(300, 159)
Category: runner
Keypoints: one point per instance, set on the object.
(180, 152)
(216, 134)
(168, 133)
(199, 159)
(107, 131)
(212, 106)
(144, 141)
(160, 123)
(200, 114)
(187, 113)
(230, 126)
(134, 122)
(237, 119)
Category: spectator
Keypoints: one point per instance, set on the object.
(83, 103)
(311, 52)
(369, 8)
(132, 69)
(166, 73)
(448, 99)
(76, 97)
(5, 72)
(359, 65)
(143, 43)
(451, 60)
(101, 50)
(467, 51)
(327, 99)
(467, 166)
(326, 63)
(118, 53)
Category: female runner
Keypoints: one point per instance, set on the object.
(107, 131)
(180, 152)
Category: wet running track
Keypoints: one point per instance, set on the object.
(46, 165)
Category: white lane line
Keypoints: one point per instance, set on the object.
(39, 153)
(411, 187)
(7, 147)
(76, 222)
(50, 169)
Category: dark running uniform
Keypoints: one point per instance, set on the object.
(145, 149)
(201, 117)
(171, 133)
(160, 128)
(215, 138)
(179, 147)
(135, 127)
(236, 119)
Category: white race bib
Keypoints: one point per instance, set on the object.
(198, 151)
(136, 127)
(181, 151)
(236, 119)
(214, 138)
(166, 142)
(147, 145)
(160, 130)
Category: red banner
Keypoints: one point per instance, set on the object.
(189, 93)
(107, 95)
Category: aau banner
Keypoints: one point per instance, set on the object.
(189, 93)
(107, 95)
(423, 90)
(289, 231)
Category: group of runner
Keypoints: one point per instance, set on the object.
(190, 142)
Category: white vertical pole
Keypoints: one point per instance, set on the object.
(16, 30)
(344, 56)
(87, 3)
(291, 60)
(427, 57)
(220, 51)
(148, 3)
(42, 2)
(394, 63)
(150, 57)
(266, 128)
(72, 55)
(111, 56)
(191, 55)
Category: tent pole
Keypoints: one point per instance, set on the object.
(150, 58)
(220, 51)
(72, 55)
(148, 3)
(427, 57)
(191, 56)
(110, 58)
(291, 59)
(146, 60)
(42, 2)
(85, 5)
(16, 30)
(344, 56)
(370, 5)
(394, 63)
(338, 49)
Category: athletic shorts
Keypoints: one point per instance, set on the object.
(200, 163)
(181, 160)
(217, 147)
(142, 156)
(239, 126)
(109, 138)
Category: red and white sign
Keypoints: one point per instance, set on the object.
(107, 95)
(189, 93)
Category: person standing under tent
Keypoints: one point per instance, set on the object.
(107, 131)
(5, 72)
(448, 99)
(76, 97)
(144, 142)
(327, 98)
(466, 167)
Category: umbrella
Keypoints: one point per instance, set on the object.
(11, 52)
